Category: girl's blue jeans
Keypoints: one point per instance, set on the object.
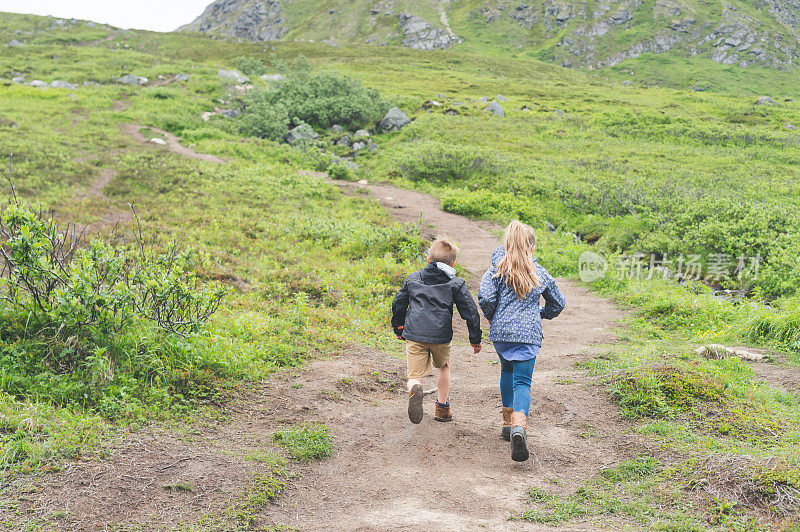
(515, 384)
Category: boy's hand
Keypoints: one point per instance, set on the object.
(476, 348)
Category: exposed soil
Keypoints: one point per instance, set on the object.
(386, 474)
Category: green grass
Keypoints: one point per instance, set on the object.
(306, 442)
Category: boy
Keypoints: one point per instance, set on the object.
(422, 315)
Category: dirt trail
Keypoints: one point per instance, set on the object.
(173, 144)
(387, 474)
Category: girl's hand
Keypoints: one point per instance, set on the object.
(476, 348)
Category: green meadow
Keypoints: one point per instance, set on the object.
(616, 169)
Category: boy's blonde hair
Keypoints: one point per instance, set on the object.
(443, 250)
(517, 267)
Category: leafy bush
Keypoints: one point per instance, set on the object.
(438, 162)
(59, 287)
(250, 66)
(340, 172)
(318, 99)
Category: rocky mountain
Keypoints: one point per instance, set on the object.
(575, 33)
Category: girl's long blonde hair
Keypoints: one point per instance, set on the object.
(517, 267)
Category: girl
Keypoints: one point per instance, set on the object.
(509, 298)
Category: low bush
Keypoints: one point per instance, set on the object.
(320, 99)
(250, 66)
(438, 162)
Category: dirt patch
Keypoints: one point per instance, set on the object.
(173, 144)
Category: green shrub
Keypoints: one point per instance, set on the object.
(636, 469)
(250, 66)
(438, 162)
(318, 99)
(339, 172)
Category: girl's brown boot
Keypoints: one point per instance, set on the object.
(507, 410)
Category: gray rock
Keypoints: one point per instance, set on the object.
(38, 83)
(394, 120)
(765, 100)
(301, 133)
(262, 20)
(273, 77)
(501, 98)
(344, 141)
(627, 82)
(358, 146)
(550, 227)
(361, 134)
(160, 142)
(14, 43)
(59, 84)
(230, 113)
(790, 126)
(18, 79)
(182, 77)
(483, 99)
(496, 109)
(131, 79)
(420, 35)
(373, 146)
(337, 128)
(90, 84)
(234, 76)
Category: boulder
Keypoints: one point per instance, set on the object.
(373, 146)
(394, 120)
(765, 100)
(358, 146)
(160, 142)
(483, 99)
(230, 113)
(272, 77)
(182, 77)
(501, 98)
(790, 126)
(496, 109)
(59, 84)
(337, 128)
(90, 84)
(14, 43)
(550, 227)
(18, 79)
(38, 83)
(233, 76)
(131, 79)
(301, 133)
(361, 134)
(344, 141)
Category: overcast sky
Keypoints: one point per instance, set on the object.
(156, 15)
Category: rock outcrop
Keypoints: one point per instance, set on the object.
(421, 35)
(255, 20)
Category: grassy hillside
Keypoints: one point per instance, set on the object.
(616, 168)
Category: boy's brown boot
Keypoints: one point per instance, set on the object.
(507, 422)
(519, 443)
(443, 412)
(415, 404)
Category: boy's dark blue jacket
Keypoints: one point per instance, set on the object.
(422, 310)
(513, 319)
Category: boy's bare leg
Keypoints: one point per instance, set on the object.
(412, 382)
(443, 383)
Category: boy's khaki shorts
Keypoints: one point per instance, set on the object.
(420, 355)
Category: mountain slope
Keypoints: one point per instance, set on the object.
(589, 34)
